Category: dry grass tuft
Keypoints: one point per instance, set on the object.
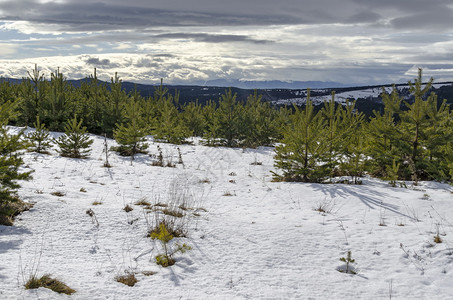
(48, 282)
(204, 180)
(437, 239)
(127, 279)
(58, 194)
(10, 209)
(143, 202)
(149, 273)
(6, 220)
(173, 213)
(128, 208)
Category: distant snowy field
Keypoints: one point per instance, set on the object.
(345, 96)
(265, 241)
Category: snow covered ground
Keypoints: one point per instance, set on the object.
(252, 238)
(342, 97)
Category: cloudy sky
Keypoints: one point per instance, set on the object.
(192, 41)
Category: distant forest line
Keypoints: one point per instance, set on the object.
(405, 137)
(205, 94)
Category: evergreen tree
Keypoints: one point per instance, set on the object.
(131, 134)
(33, 91)
(40, 138)
(384, 135)
(192, 117)
(116, 99)
(168, 125)
(352, 148)
(259, 124)
(332, 112)
(301, 156)
(10, 164)
(55, 108)
(229, 116)
(438, 141)
(211, 133)
(90, 101)
(76, 141)
(413, 126)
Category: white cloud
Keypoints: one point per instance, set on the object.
(7, 49)
(123, 47)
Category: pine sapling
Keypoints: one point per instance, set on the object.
(160, 158)
(180, 161)
(437, 238)
(348, 260)
(75, 143)
(392, 173)
(106, 151)
(166, 259)
(40, 138)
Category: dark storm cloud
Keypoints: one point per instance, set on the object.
(79, 16)
(365, 17)
(413, 14)
(437, 20)
(84, 15)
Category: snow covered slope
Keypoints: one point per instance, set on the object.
(251, 238)
(342, 97)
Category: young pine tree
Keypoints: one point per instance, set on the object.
(438, 141)
(168, 124)
(130, 135)
(76, 141)
(40, 138)
(211, 133)
(259, 124)
(301, 156)
(335, 133)
(10, 163)
(192, 117)
(383, 136)
(352, 143)
(229, 116)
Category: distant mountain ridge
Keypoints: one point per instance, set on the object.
(273, 84)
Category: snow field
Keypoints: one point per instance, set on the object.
(265, 241)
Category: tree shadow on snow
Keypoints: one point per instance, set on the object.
(371, 198)
(12, 245)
